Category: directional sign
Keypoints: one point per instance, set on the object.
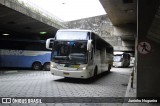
(144, 48)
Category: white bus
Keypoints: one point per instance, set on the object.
(121, 59)
(79, 54)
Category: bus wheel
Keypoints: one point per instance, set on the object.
(95, 72)
(46, 66)
(128, 65)
(36, 66)
(109, 68)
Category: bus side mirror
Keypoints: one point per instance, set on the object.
(49, 43)
(89, 45)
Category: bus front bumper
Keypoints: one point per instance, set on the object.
(117, 64)
(71, 74)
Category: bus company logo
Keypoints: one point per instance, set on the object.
(11, 52)
(6, 100)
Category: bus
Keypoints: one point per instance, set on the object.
(24, 54)
(79, 54)
(121, 59)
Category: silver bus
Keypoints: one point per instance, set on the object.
(121, 59)
(79, 54)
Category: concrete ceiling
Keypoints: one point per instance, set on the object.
(16, 23)
(120, 11)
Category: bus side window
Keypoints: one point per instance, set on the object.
(93, 41)
(88, 36)
(92, 54)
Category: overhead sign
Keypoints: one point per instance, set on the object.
(144, 48)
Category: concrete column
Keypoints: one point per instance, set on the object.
(148, 49)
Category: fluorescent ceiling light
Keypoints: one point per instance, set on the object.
(5, 34)
(42, 33)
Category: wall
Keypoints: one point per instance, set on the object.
(33, 12)
(103, 26)
(148, 71)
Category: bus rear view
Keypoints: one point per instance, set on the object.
(71, 54)
(121, 59)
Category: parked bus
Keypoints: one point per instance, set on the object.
(79, 54)
(121, 59)
(24, 54)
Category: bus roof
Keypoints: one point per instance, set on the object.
(116, 53)
(120, 53)
(82, 30)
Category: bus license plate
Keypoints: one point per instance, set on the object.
(75, 66)
(65, 73)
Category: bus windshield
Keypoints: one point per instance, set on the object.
(71, 35)
(74, 52)
(117, 58)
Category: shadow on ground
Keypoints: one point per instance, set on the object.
(84, 81)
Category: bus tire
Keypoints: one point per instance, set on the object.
(46, 66)
(95, 72)
(36, 66)
(128, 64)
(109, 68)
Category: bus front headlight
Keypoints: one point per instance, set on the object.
(53, 65)
(81, 68)
(84, 68)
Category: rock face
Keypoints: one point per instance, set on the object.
(99, 24)
(103, 26)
